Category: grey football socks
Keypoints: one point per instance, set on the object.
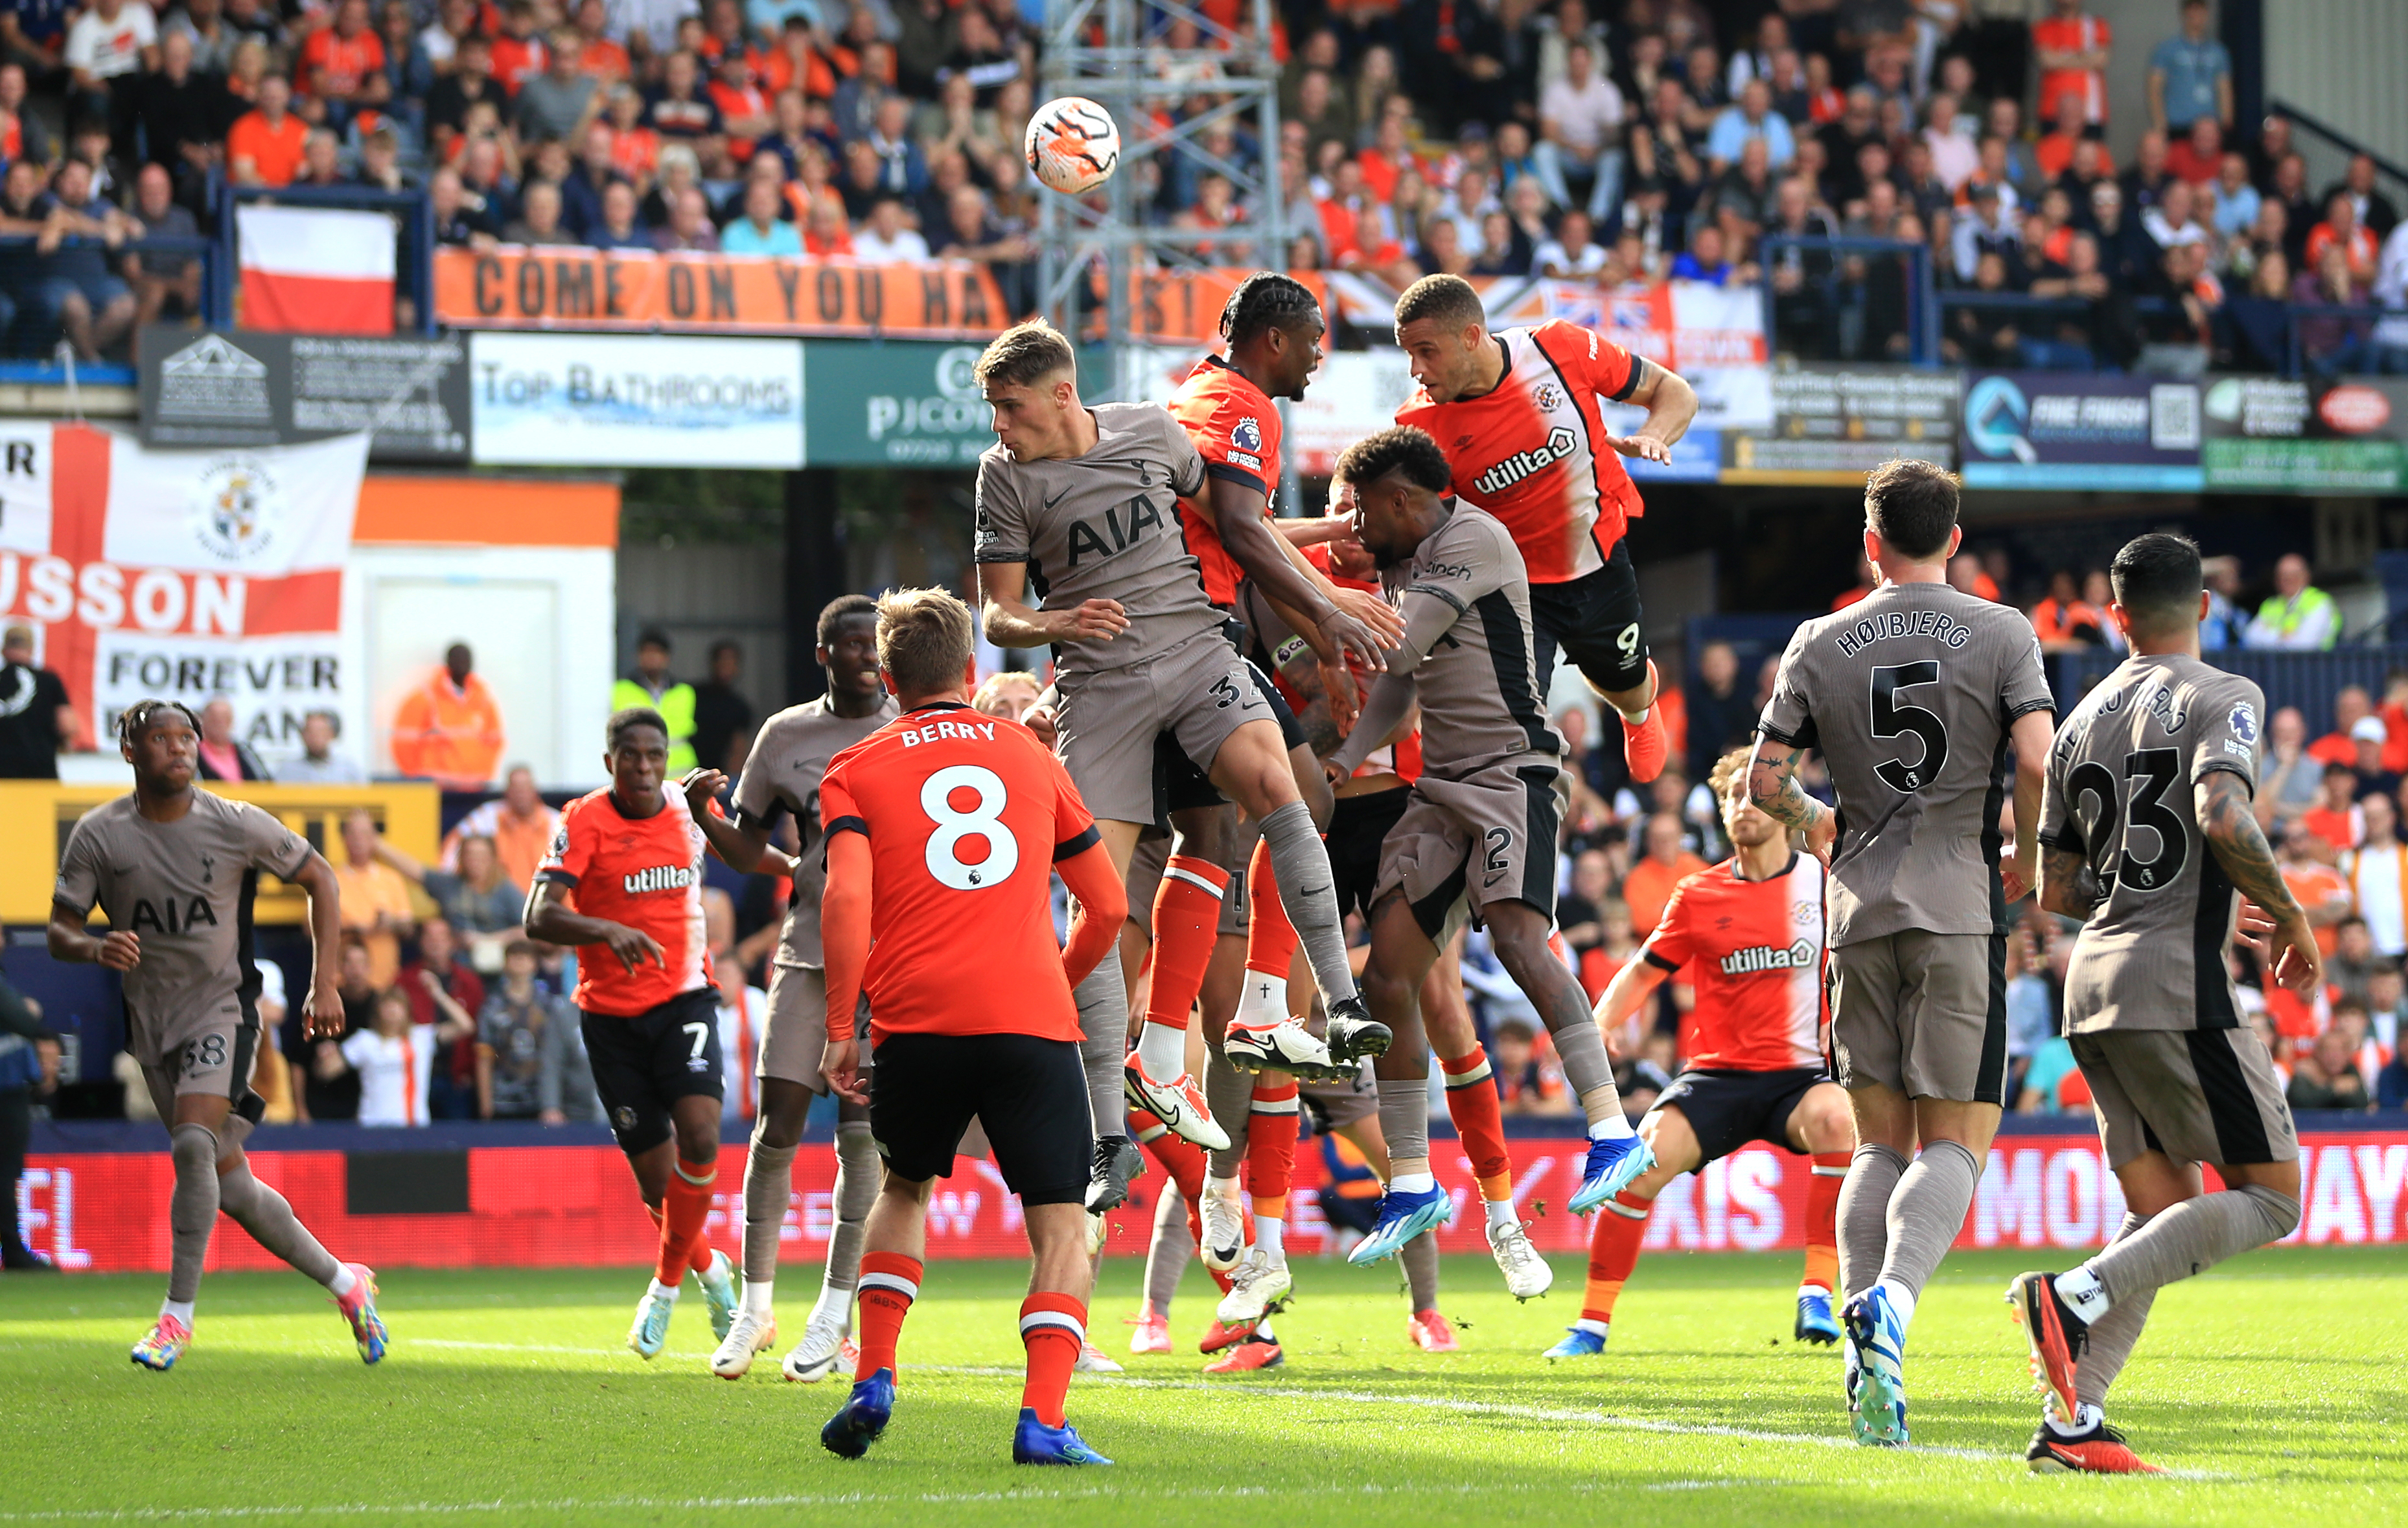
(2112, 1336)
(1309, 894)
(1581, 1050)
(1404, 1116)
(1229, 1094)
(1103, 1044)
(859, 1172)
(1873, 1177)
(2192, 1237)
(769, 1192)
(267, 1215)
(193, 1209)
(1925, 1212)
(1167, 1255)
(1420, 1258)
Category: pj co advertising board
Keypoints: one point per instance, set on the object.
(896, 403)
(636, 400)
(2071, 430)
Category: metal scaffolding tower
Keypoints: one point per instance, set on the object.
(1130, 75)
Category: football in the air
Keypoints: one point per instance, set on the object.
(1073, 145)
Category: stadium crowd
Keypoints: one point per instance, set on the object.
(1582, 141)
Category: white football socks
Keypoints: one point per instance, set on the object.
(1412, 1182)
(756, 1297)
(1267, 1236)
(2083, 1290)
(180, 1309)
(1501, 1211)
(1162, 1051)
(665, 1291)
(343, 1281)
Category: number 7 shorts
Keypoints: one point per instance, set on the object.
(1107, 720)
(644, 1062)
(1463, 845)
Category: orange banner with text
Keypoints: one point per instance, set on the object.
(511, 287)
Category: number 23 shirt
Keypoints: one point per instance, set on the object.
(1910, 692)
(965, 815)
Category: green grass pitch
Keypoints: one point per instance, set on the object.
(2277, 1386)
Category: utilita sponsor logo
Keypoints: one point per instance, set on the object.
(1739, 962)
(2355, 410)
(663, 878)
(1521, 465)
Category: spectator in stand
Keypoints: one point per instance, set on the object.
(824, 229)
(2387, 1007)
(375, 898)
(393, 1060)
(1720, 714)
(2145, 182)
(2335, 817)
(2064, 622)
(530, 1057)
(519, 52)
(479, 901)
(517, 822)
(323, 1087)
(32, 730)
(379, 166)
(689, 226)
(317, 763)
(2054, 154)
(1954, 156)
(652, 685)
(2190, 76)
(408, 73)
(538, 220)
(582, 189)
(107, 45)
(2326, 1074)
(2371, 209)
(343, 65)
(2307, 866)
(722, 717)
(2072, 48)
(2333, 343)
(887, 238)
(2288, 190)
(1530, 1081)
(179, 112)
(448, 729)
(759, 231)
(617, 228)
(456, 223)
(1988, 227)
(445, 997)
(2371, 772)
(1649, 885)
(1751, 121)
(223, 756)
(264, 147)
(2174, 221)
(80, 295)
(1580, 131)
(1704, 260)
(561, 101)
(2297, 617)
(2293, 779)
(2234, 207)
(1571, 256)
(743, 1014)
(470, 81)
(322, 159)
(2342, 230)
(2378, 874)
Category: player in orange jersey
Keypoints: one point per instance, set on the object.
(623, 879)
(944, 830)
(1518, 415)
(1749, 935)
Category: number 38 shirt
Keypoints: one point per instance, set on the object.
(965, 815)
(1908, 692)
(645, 872)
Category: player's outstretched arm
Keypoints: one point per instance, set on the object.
(120, 951)
(1100, 895)
(2222, 804)
(2068, 885)
(1631, 986)
(1241, 512)
(1010, 622)
(1772, 785)
(321, 1012)
(1670, 403)
(550, 921)
(744, 847)
(844, 945)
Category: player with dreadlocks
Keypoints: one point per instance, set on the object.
(175, 870)
(1219, 930)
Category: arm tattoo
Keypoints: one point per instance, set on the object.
(1772, 785)
(1321, 734)
(2069, 884)
(2238, 844)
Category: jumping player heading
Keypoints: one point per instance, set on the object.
(1085, 499)
(945, 829)
(1518, 415)
(623, 879)
(176, 869)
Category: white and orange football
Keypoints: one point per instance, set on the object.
(1073, 146)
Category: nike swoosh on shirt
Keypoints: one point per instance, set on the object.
(1491, 881)
(1057, 498)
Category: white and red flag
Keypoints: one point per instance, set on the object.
(183, 574)
(316, 270)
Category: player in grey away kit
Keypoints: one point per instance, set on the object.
(1086, 500)
(175, 870)
(1913, 693)
(2147, 836)
(781, 777)
(1478, 833)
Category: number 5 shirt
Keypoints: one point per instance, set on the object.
(645, 872)
(1908, 692)
(965, 815)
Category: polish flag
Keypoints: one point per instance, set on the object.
(316, 271)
